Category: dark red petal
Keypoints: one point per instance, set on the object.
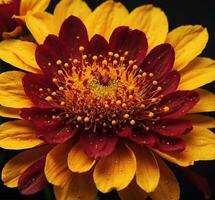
(166, 144)
(42, 117)
(159, 61)
(126, 132)
(33, 178)
(134, 41)
(170, 82)
(98, 144)
(179, 103)
(49, 53)
(98, 46)
(143, 137)
(56, 134)
(171, 127)
(73, 34)
(35, 86)
(7, 23)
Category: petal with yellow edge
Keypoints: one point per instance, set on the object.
(12, 94)
(206, 102)
(18, 134)
(133, 191)
(20, 54)
(78, 186)
(188, 42)
(147, 173)
(78, 160)
(33, 5)
(201, 120)
(56, 168)
(105, 19)
(197, 73)
(18, 164)
(43, 20)
(151, 21)
(200, 145)
(77, 8)
(116, 170)
(9, 112)
(168, 187)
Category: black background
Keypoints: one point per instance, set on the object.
(179, 12)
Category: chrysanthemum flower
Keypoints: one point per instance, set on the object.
(12, 15)
(99, 113)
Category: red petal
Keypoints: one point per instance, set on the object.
(126, 132)
(171, 127)
(98, 46)
(41, 117)
(166, 144)
(56, 134)
(73, 34)
(134, 41)
(179, 103)
(35, 86)
(159, 61)
(143, 137)
(170, 82)
(33, 178)
(98, 145)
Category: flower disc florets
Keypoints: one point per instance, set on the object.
(100, 92)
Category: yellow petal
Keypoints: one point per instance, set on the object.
(200, 145)
(79, 186)
(147, 173)
(197, 73)
(9, 112)
(168, 187)
(17, 165)
(201, 120)
(44, 21)
(17, 135)
(206, 102)
(78, 160)
(105, 18)
(152, 21)
(56, 168)
(33, 5)
(77, 8)
(116, 170)
(188, 42)
(20, 54)
(11, 90)
(132, 192)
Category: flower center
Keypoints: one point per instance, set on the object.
(98, 91)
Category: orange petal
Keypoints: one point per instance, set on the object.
(200, 145)
(78, 160)
(17, 135)
(132, 192)
(116, 170)
(147, 173)
(168, 187)
(79, 186)
(56, 168)
(18, 164)
(9, 112)
(11, 90)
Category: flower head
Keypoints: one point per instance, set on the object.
(103, 106)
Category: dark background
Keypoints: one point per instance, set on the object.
(179, 12)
